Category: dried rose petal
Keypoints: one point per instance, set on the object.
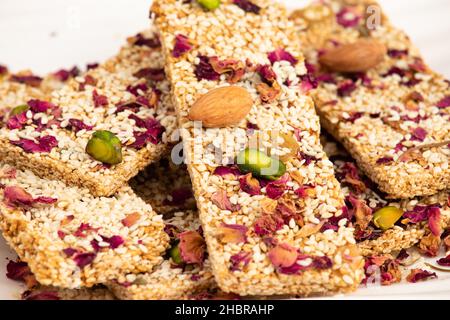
(42, 295)
(84, 229)
(3, 70)
(282, 55)
(45, 200)
(352, 177)
(267, 93)
(360, 210)
(181, 46)
(283, 256)
(30, 80)
(78, 125)
(99, 100)
(88, 81)
(17, 196)
(308, 158)
(235, 69)
(250, 185)
(326, 78)
(38, 106)
(204, 70)
(420, 275)
(266, 73)
(229, 172)
(434, 220)
(20, 271)
(429, 245)
(308, 83)
(276, 189)
(179, 196)
(140, 40)
(402, 255)
(153, 134)
(444, 103)
(394, 53)
(138, 89)
(131, 219)
(322, 263)
(70, 252)
(17, 122)
(348, 17)
(240, 259)
(114, 241)
(353, 116)
(221, 200)
(192, 247)
(8, 173)
(64, 75)
(305, 191)
(247, 6)
(233, 233)
(421, 213)
(172, 231)
(44, 145)
(84, 259)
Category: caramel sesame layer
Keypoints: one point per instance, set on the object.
(169, 281)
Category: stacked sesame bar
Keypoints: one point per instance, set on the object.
(376, 96)
(69, 238)
(264, 238)
(127, 95)
(363, 199)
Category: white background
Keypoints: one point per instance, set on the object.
(45, 35)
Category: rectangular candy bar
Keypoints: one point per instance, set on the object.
(272, 227)
(383, 225)
(376, 96)
(101, 128)
(70, 238)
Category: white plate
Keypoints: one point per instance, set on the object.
(47, 35)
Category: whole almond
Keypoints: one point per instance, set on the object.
(222, 107)
(359, 56)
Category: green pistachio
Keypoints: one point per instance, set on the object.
(18, 110)
(260, 164)
(175, 254)
(385, 218)
(209, 4)
(104, 146)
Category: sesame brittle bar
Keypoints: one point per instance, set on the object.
(264, 237)
(165, 186)
(384, 225)
(70, 238)
(101, 128)
(184, 272)
(376, 96)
